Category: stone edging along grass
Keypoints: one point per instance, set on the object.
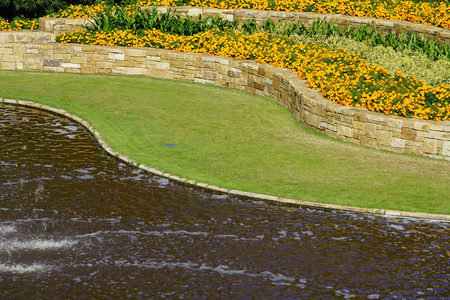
(206, 186)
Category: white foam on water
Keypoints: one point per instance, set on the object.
(282, 233)
(38, 244)
(220, 197)
(184, 232)
(162, 182)
(71, 128)
(20, 268)
(339, 238)
(397, 227)
(221, 269)
(86, 177)
(4, 163)
(7, 229)
(226, 236)
(60, 131)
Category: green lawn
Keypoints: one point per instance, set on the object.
(235, 140)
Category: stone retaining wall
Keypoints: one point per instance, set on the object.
(29, 50)
(58, 25)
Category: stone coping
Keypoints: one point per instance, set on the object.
(59, 25)
(206, 186)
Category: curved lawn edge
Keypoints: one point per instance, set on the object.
(207, 186)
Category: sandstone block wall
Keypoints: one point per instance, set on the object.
(36, 51)
(60, 25)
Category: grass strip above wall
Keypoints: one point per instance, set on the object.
(342, 77)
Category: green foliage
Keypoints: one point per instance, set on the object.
(10, 9)
(168, 22)
(433, 49)
(417, 64)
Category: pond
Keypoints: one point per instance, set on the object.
(77, 223)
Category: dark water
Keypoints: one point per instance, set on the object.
(76, 223)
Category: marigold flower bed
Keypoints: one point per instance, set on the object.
(341, 77)
(18, 24)
(437, 14)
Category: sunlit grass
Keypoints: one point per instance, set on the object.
(235, 140)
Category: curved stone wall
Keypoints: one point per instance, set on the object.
(31, 50)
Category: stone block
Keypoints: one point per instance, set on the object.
(116, 56)
(383, 136)
(259, 86)
(160, 73)
(63, 49)
(328, 126)
(70, 66)
(376, 118)
(162, 65)
(136, 71)
(370, 130)
(177, 64)
(365, 141)
(88, 69)
(446, 148)
(104, 70)
(136, 52)
(30, 58)
(234, 74)
(6, 50)
(89, 49)
(62, 57)
(35, 66)
(51, 63)
(276, 83)
(398, 143)
(430, 146)
(104, 65)
(421, 125)
(125, 64)
(313, 120)
(6, 57)
(261, 71)
(413, 150)
(409, 134)
(78, 59)
(360, 116)
(359, 125)
(439, 135)
(7, 65)
(394, 123)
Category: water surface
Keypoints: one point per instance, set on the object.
(77, 223)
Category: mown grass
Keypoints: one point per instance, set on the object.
(235, 140)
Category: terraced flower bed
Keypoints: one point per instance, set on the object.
(341, 76)
(435, 13)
